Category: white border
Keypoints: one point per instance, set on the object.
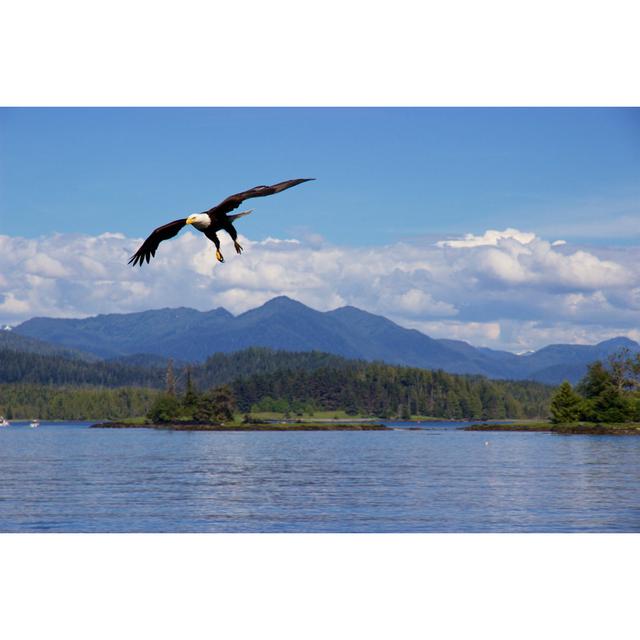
(346, 52)
(318, 586)
(330, 53)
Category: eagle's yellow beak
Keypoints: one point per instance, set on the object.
(191, 219)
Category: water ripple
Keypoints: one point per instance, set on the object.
(66, 477)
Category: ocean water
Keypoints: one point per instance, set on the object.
(433, 478)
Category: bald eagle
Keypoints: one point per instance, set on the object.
(211, 221)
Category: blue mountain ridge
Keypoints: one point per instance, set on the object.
(282, 323)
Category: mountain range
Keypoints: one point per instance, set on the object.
(150, 337)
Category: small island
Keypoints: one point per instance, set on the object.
(605, 402)
(578, 428)
(235, 426)
(215, 410)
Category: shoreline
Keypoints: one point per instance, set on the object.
(622, 429)
(248, 427)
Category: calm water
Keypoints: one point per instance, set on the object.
(69, 478)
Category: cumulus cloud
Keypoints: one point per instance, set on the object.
(490, 237)
(506, 289)
(474, 332)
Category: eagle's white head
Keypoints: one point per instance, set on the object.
(199, 220)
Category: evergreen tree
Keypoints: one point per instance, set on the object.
(565, 404)
(608, 406)
(190, 400)
(405, 410)
(605, 399)
(595, 382)
(224, 402)
(205, 410)
(170, 379)
(165, 409)
(215, 406)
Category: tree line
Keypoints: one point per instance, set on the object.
(220, 368)
(369, 389)
(391, 391)
(48, 369)
(253, 380)
(48, 402)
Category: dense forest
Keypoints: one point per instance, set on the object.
(52, 386)
(222, 368)
(385, 391)
(33, 368)
(55, 369)
(48, 402)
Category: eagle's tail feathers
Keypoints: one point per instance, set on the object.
(235, 216)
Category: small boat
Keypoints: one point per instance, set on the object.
(35, 423)
(4, 422)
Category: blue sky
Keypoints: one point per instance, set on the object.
(508, 228)
(383, 174)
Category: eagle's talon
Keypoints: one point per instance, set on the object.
(219, 256)
(238, 247)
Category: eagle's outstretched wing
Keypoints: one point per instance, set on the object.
(233, 202)
(150, 245)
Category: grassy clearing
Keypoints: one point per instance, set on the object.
(317, 415)
(135, 421)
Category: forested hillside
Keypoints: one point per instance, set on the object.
(59, 387)
(23, 367)
(224, 367)
(16, 342)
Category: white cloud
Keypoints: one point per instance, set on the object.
(46, 266)
(505, 289)
(502, 265)
(12, 307)
(490, 237)
(417, 302)
(474, 332)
